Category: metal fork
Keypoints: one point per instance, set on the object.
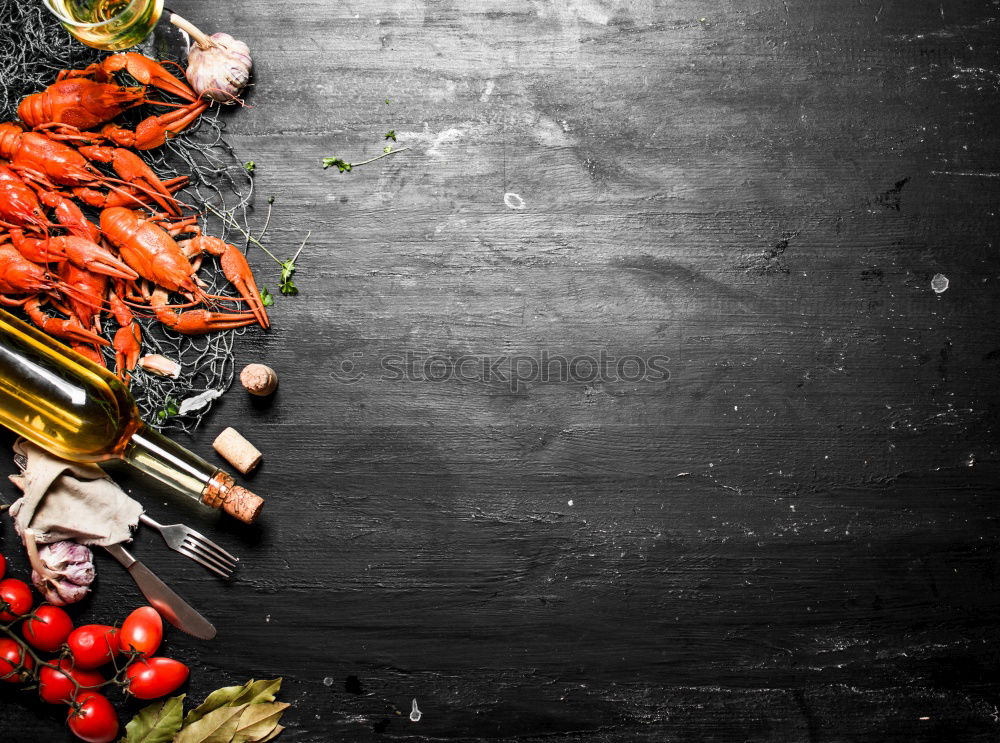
(197, 546)
(181, 538)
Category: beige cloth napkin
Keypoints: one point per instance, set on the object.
(68, 500)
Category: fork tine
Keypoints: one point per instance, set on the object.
(209, 544)
(184, 551)
(209, 552)
(206, 555)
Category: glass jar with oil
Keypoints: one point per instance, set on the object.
(80, 411)
(107, 24)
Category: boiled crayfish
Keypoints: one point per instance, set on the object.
(56, 259)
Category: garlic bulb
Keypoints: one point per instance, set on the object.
(62, 571)
(220, 71)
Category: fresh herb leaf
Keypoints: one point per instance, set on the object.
(287, 271)
(342, 164)
(346, 166)
(157, 723)
(250, 166)
(387, 101)
(265, 297)
(391, 134)
(170, 408)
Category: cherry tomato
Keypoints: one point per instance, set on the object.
(3, 566)
(17, 594)
(11, 657)
(151, 678)
(93, 645)
(92, 718)
(48, 629)
(142, 630)
(57, 687)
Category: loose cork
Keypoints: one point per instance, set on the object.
(236, 450)
(259, 379)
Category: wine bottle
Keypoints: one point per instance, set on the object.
(80, 411)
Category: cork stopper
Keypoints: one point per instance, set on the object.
(243, 505)
(259, 379)
(236, 450)
(222, 492)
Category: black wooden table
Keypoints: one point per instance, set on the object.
(621, 406)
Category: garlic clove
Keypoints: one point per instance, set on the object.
(160, 365)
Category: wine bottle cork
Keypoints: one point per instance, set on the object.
(236, 450)
(243, 504)
(222, 492)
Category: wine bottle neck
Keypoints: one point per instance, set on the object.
(170, 463)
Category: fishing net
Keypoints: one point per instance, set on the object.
(33, 48)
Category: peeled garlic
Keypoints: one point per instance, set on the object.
(160, 365)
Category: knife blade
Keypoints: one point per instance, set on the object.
(162, 598)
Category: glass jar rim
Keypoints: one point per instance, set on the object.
(78, 24)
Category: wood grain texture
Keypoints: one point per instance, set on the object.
(793, 538)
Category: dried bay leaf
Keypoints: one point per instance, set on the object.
(274, 734)
(157, 723)
(218, 698)
(258, 721)
(256, 692)
(252, 692)
(218, 726)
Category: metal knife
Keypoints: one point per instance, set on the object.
(173, 608)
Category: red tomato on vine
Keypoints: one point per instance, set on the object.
(57, 687)
(48, 629)
(17, 595)
(93, 645)
(151, 678)
(141, 631)
(92, 718)
(15, 663)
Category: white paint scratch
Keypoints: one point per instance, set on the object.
(971, 174)
(513, 201)
(439, 142)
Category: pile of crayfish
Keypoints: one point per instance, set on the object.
(139, 253)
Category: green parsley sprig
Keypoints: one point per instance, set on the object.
(170, 408)
(288, 267)
(346, 167)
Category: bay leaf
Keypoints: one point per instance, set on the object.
(219, 698)
(258, 720)
(156, 723)
(274, 734)
(218, 726)
(255, 692)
